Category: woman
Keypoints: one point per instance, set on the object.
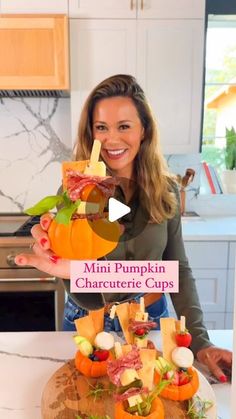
(117, 113)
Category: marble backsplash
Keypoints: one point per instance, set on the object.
(35, 137)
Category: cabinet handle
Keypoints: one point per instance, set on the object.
(142, 4)
(131, 4)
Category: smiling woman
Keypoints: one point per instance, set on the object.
(120, 136)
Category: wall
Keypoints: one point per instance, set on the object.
(35, 138)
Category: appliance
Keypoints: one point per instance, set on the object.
(36, 58)
(29, 299)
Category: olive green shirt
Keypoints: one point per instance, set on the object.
(156, 242)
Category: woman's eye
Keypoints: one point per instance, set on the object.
(124, 126)
(100, 127)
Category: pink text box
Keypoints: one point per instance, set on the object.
(136, 276)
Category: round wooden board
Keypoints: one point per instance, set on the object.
(65, 395)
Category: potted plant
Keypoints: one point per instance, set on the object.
(229, 175)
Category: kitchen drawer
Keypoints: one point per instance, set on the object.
(232, 254)
(230, 291)
(207, 254)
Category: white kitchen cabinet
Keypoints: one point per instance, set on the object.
(211, 285)
(170, 69)
(130, 9)
(93, 9)
(34, 6)
(99, 48)
(207, 254)
(214, 321)
(166, 56)
(169, 9)
(232, 254)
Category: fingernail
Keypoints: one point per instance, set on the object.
(223, 378)
(19, 261)
(44, 223)
(43, 241)
(54, 258)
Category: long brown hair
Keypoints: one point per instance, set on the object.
(150, 167)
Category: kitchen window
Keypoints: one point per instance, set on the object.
(220, 83)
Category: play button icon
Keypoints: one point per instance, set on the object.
(116, 209)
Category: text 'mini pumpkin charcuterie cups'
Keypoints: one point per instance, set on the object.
(81, 229)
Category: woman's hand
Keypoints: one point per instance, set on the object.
(42, 257)
(216, 359)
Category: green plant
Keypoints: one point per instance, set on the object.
(230, 151)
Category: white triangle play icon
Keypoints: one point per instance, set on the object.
(116, 209)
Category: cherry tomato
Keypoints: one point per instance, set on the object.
(183, 339)
(140, 332)
(91, 193)
(183, 378)
(101, 354)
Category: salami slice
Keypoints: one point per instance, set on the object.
(76, 182)
(135, 325)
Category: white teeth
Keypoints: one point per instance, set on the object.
(115, 152)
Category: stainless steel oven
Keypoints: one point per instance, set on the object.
(23, 289)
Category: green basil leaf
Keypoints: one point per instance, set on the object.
(46, 204)
(64, 215)
(66, 199)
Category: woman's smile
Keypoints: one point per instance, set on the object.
(115, 154)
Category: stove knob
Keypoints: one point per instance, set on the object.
(11, 260)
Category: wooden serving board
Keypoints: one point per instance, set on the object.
(65, 396)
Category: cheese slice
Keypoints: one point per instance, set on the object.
(85, 327)
(126, 349)
(98, 319)
(133, 309)
(168, 333)
(96, 169)
(72, 165)
(122, 311)
(146, 373)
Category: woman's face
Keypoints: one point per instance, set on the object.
(117, 125)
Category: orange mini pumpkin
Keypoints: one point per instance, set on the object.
(78, 240)
(91, 368)
(180, 393)
(157, 411)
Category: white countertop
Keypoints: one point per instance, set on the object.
(28, 360)
(209, 228)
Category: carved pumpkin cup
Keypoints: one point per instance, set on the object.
(81, 229)
(94, 345)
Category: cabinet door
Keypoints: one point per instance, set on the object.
(214, 321)
(93, 9)
(99, 49)
(34, 6)
(230, 291)
(211, 286)
(232, 254)
(207, 254)
(171, 9)
(39, 59)
(170, 69)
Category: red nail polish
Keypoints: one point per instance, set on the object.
(223, 378)
(54, 258)
(43, 241)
